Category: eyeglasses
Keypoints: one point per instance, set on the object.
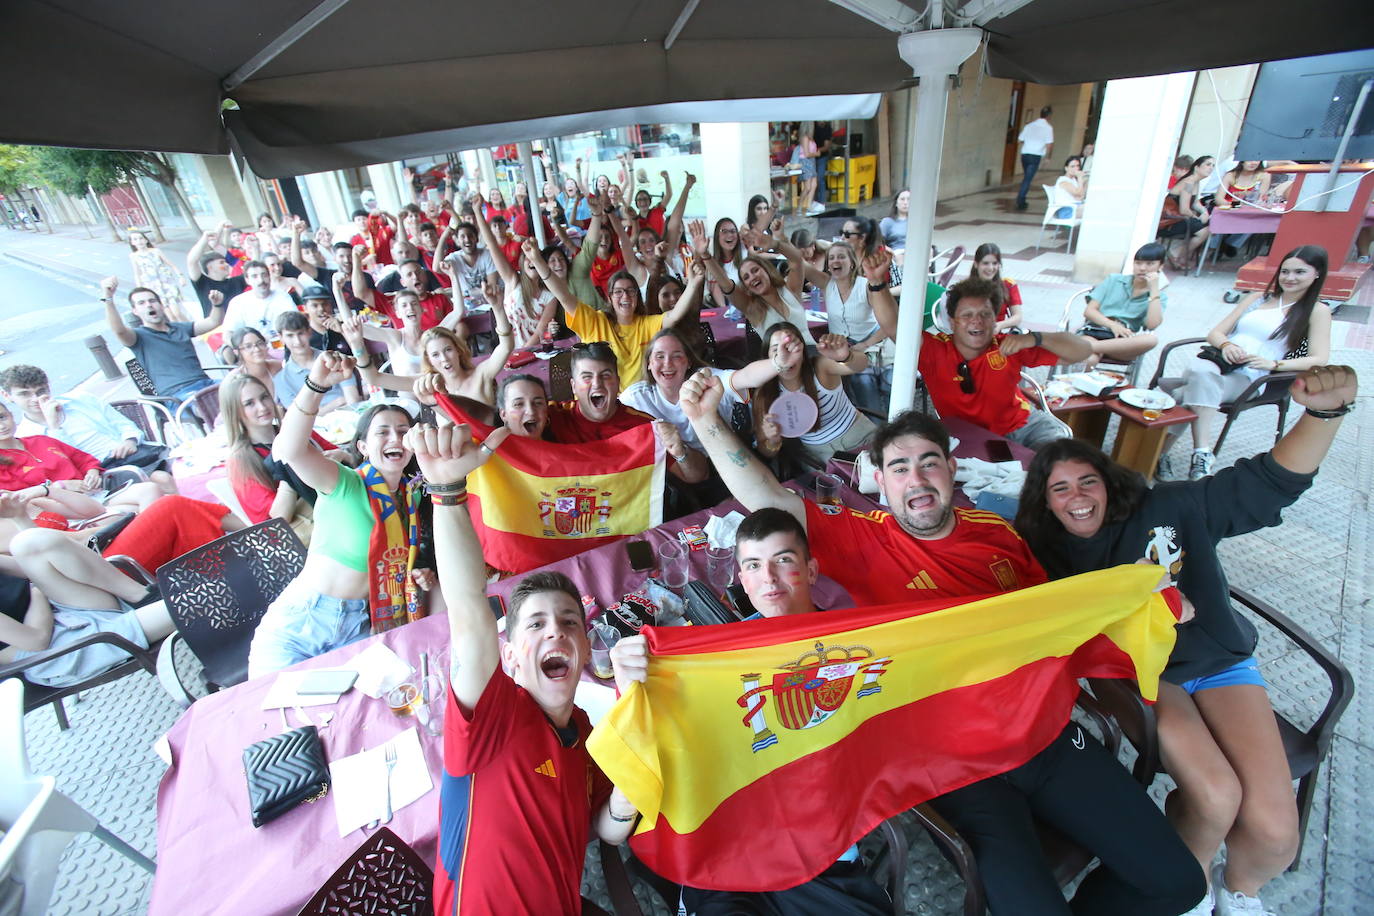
(965, 378)
(851, 233)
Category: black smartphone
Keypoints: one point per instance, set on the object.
(640, 554)
(497, 605)
(999, 450)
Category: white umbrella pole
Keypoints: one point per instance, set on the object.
(934, 56)
(527, 166)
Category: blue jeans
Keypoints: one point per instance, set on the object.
(184, 392)
(870, 389)
(301, 624)
(1029, 165)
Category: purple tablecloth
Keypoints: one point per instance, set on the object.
(211, 860)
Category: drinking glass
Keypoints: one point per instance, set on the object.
(603, 638)
(672, 564)
(828, 490)
(720, 567)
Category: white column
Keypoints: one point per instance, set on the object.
(532, 189)
(384, 186)
(1136, 138)
(734, 165)
(331, 209)
(488, 166)
(934, 57)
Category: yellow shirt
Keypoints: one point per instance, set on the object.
(628, 341)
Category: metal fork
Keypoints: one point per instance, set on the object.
(390, 755)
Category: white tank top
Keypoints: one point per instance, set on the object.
(837, 413)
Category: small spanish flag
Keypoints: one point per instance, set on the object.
(758, 752)
(536, 502)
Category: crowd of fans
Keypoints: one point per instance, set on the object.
(308, 322)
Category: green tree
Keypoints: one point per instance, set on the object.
(75, 170)
(17, 172)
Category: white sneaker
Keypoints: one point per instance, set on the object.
(814, 209)
(1233, 903)
(1201, 466)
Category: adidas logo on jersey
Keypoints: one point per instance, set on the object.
(922, 581)
(546, 769)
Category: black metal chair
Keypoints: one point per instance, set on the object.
(708, 343)
(217, 593)
(560, 376)
(384, 875)
(1066, 858)
(140, 659)
(620, 872)
(1305, 749)
(1271, 390)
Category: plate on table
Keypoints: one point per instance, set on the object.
(1147, 399)
(338, 426)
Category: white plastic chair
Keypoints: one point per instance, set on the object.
(1071, 222)
(38, 821)
(1067, 323)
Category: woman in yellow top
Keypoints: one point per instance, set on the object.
(629, 327)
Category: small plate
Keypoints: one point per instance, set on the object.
(1147, 399)
(795, 413)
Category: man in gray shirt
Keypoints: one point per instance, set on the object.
(166, 349)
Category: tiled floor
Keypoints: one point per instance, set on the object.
(1317, 566)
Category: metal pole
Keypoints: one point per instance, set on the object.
(935, 57)
(848, 146)
(527, 168)
(1345, 141)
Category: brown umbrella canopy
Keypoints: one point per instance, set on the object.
(347, 82)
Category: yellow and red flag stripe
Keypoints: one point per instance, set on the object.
(535, 502)
(758, 752)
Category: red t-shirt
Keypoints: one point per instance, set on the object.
(996, 403)
(654, 220)
(878, 563)
(42, 458)
(515, 807)
(433, 308)
(1011, 295)
(567, 424)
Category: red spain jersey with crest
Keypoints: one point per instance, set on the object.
(996, 403)
(878, 563)
(515, 807)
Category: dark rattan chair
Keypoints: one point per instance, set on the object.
(560, 376)
(384, 875)
(1305, 748)
(217, 593)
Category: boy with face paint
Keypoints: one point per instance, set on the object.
(519, 791)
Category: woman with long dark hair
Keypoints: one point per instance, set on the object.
(1218, 737)
(365, 568)
(987, 264)
(1284, 329)
(1192, 217)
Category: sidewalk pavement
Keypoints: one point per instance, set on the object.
(72, 254)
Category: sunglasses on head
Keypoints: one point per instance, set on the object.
(965, 377)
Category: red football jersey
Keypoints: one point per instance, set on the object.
(567, 424)
(996, 402)
(515, 807)
(878, 563)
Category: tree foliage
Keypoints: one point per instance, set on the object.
(17, 168)
(72, 170)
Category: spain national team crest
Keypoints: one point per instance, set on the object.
(808, 691)
(575, 511)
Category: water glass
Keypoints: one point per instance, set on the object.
(720, 567)
(603, 638)
(672, 564)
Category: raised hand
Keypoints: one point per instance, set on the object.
(700, 394)
(109, 285)
(447, 454)
(216, 298)
(352, 329)
(330, 368)
(700, 243)
(1326, 387)
(688, 181)
(671, 437)
(630, 661)
(878, 266)
(833, 346)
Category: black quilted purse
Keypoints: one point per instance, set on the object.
(284, 771)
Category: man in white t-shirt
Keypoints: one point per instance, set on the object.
(259, 305)
(1036, 139)
(472, 266)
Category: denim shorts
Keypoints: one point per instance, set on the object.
(1245, 671)
(301, 624)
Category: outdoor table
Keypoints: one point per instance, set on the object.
(1085, 416)
(1139, 442)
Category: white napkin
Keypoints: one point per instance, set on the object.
(540, 354)
(813, 315)
(379, 669)
(720, 529)
(594, 699)
(285, 692)
(975, 475)
(358, 783)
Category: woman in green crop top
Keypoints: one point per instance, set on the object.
(351, 584)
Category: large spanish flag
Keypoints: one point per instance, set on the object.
(758, 752)
(535, 502)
